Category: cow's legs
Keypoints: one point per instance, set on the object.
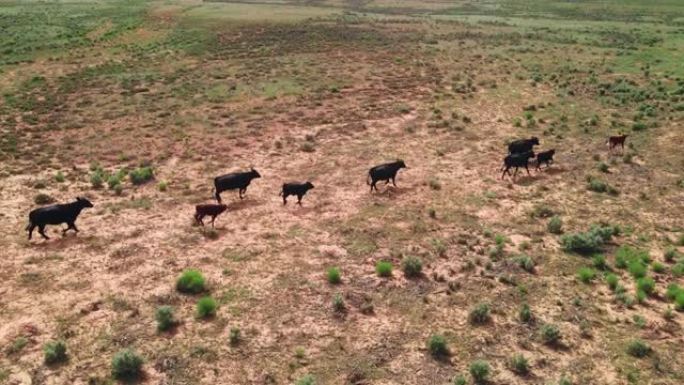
(41, 230)
(218, 196)
(528, 170)
(284, 199)
(30, 230)
(394, 182)
(213, 218)
(241, 193)
(299, 200)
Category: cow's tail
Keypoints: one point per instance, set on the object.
(28, 226)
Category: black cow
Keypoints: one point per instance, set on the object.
(521, 146)
(545, 157)
(55, 215)
(232, 181)
(208, 210)
(517, 161)
(615, 141)
(384, 172)
(298, 189)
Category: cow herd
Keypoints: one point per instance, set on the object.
(519, 154)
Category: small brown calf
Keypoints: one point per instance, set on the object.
(208, 210)
(615, 141)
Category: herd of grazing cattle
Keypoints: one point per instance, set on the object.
(519, 154)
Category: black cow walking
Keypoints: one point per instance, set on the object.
(208, 210)
(521, 146)
(386, 172)
(517, 161)
(232, 181)
(545, 157)
(298, 189)
(55, 215)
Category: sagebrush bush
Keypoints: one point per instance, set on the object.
(590, 242)
(338, 303)
(383, 268)
(96, 179)
(59, 178)
(526, 263)
(334, 275)
(638, 348)
(164, 317)
(658, 268)
(459, 380)
(206, 307)
(671, 255)
(586, 274)
(550, 334)
(126, 365)
(678, 269)
(637, 269)
(480, 371)
(555, 225)
(141, 175)
(437, 346)
(525, 313)
(480, 314)
(412, 266)
(646, 284)
(191, 281)
(55, 352)
(612, 280)
(234, 337)
(599, 262)
(113, 181)
(519, 364)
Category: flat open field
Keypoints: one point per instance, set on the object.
(572, 275)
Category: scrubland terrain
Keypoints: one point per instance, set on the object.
(572, 275)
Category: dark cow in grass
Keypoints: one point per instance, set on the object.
(516, 161)
(386, 172)
(521, 146)
(55, 215)
(298, 189)
(234, 181)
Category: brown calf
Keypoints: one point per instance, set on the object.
(615, 141)
(208, 210)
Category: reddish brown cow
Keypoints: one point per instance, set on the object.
(208, 210)
(615, 141)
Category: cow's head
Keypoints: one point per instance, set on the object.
(83, 202)
(534, 140)
(309, 185)
(254, 173)
(400, 163)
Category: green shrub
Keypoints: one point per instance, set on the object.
(679, 301)
(597, 185)
(519, 364)
(126, 365)
(234, 337)
(480, 314)
(625, 255)
(638, 348)
(163, 186)
(671, 255)
(141, 175)
(164, 317)
(525, 313)
(678, 269)
(412, 266)
(637, 269)
(384, 268)
(526, 263)
(586, 274)
(672, 290)
(590, 242)
(603, 167)
(658, 268)
(555, 225)
(639, 126)
(480, 371)
(306, 380)
(599, 262)
(59, 178)
(206, 307)
(612, 281)
(338, 303)
(550, 334)
(564, 381)
(96, 179)
(191, 281)
(55, 352)
(437, 346)
(641, 296)
(646, 284)
(334, 275)
(113, 181)
(459, 380)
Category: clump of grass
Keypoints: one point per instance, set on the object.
(59, 177)
(480, 371)
(671, 255)
(637, 269)
(384, 268)
(550, 334)
(612, 280)
(480, 314)
(127, 365)
(658, 268)
(626, 255)
(519, 364)
(526, 263)
(164, 317)
(191, 281)
(97, 179)
(525, 313)
(599, 262)
(412, 266)
(678, 269)
(338, 304)
(55, 352)
(590, 242)
(113, 181)
(163, 186)
(555, 225)
(646, 285)
(679, 301)
(306, 380)
(141, 175)
(638, 348)
(437, 346)
(564, 381)
(234, 336)
(603, 167)
(206, 307)
(672, 291)
(435, 185)
(586, 274)
(334, 275)
(459, 380)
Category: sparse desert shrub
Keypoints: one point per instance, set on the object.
(586, 274)
(597, 185)
(163, 186)
(637, 269)
(412, 266)
(638, 348)
(658, 268)
(334, 275)
(306, 380)
(206, 307)
(626, 255)
(43, 199)
(612, 281)
(59, 177)
(338, 303)
(646, 284)
(550, 334)
(671, 255)
(164, 317)
(480, 314)
(519, 364)
(672, 290)
(437, 346)
(234, 336)
(603, 167)
(96, 179)
(526, 263)
(141, 175)
(525, 313)
(127, 365)
(434, 184)
(459, 380)
(678, 269)
(384, 268)
(55, 352)
(191, 281)
(590, 242)
(679, 301)
(564, 381)
(555, 225)
(113, 181)
(639, 126)
(480, 371)
(599, 262)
